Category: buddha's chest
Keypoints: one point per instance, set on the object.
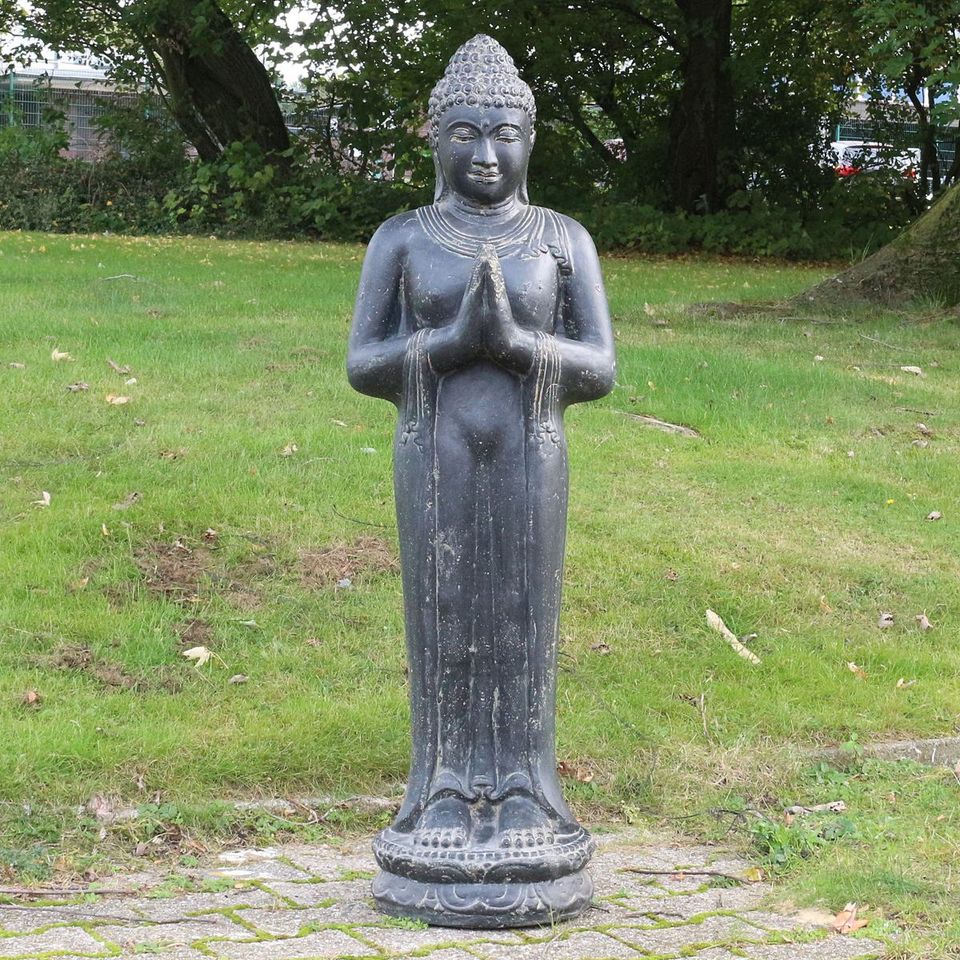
(434, 281)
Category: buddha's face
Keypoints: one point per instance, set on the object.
(483, 151)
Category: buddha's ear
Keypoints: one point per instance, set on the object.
(441, 182)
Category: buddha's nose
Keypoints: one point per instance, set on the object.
(485, 155)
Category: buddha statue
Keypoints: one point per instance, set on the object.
(482, 317)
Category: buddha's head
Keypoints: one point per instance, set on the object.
(481, 125)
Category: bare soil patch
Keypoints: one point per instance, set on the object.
(174, 570)
(195, 633)
(80, 658)
(340, 560)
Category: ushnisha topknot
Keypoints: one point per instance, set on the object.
(481, 73)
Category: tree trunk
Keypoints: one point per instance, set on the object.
(923, 262)
(703, 122)
(219, 90)
(929, 180)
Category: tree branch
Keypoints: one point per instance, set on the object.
(625, 6)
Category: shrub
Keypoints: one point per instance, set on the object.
(147, 185)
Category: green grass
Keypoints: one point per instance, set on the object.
(238, 350)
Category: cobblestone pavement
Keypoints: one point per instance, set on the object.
(300, 902)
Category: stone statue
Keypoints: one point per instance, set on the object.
(482, 317)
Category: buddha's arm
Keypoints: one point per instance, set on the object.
(377, 346)
(585, 337)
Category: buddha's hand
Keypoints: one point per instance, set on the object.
(460, 343)
(504, 341)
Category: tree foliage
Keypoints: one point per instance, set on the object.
(195, 52)
(914, 46)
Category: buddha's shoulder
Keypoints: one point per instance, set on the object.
(396, 231)
(568, 232)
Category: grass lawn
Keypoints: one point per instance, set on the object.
(243, 480)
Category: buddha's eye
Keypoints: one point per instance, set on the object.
(462, 135)
(508, 136)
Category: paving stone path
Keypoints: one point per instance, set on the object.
(313, 903)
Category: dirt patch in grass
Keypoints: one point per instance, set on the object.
(80, 658)
(339, 560)
(195, 633)
(174, 570)
(183, 573)
(244, 600)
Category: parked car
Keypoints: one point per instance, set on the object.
(861, 156)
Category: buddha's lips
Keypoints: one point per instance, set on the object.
(485, 177)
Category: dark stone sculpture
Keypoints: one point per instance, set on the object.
(482, 317)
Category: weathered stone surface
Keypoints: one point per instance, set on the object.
(322, 944)
(314, 894)
(396, 941)
(713, 931)
(173, 935)
(176, 907)
(833, 948)
(578, 945)
(288, 922)
(58, 940)
(727, 922)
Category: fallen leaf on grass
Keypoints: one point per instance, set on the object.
(920, 444)
(903, 683)
(717, 624)
(200, 655)
(824, 606)
(128, 501)
(173, 454)
(44, 500)
(313, 642)
(17, 366)
(131, 382)
(289, 450)
(934, 515)
(104, 530)
(885, 620)
(572, 772)
(100, 807)
(78, 387)
(916, 371)
(834, 806)
(602, 648)
(209, 535)
(754, 875)
(846, 920)
(924, 429)
(238, 678)
(338, 423)
(75, 586)
(116, 400)
(123, 369)
(31, 699)
(60, 356)
(857, 670)
(923, 622)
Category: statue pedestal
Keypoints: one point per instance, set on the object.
(483, 885)
(484, 906)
